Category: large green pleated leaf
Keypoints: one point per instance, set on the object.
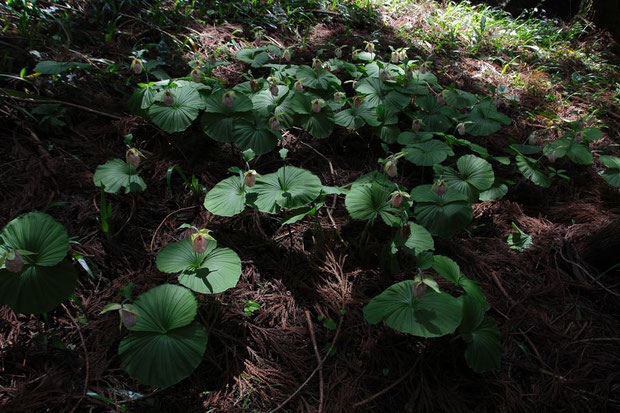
(254, 57)
(227, 197)
(321, 124)
(161, 360)
(356, 117)
(427, 153)
(163, 347)
(180, 256)
(117, 174)
(378, 93)
(431, 315)
(420, 239)
(483, 352)
(484, 119)
(441, 215)
(37, 289)
(474, 175)
(576, 152)
(447, 268)
(529, 169)
(254, 133)
(39, 234)
(219, 120)
(316, 79)
(612, 174)
(213, 271)
(219, 271)
(367, 201)
(164, 308)
(268, 105)
(178, 116)
(434, 116)
(289, 188)
(459, 99)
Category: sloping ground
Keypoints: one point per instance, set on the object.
(556, 304)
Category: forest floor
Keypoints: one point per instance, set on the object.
(557, 304)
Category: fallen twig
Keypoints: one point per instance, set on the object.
(289, 398)
(164, 220)
(85, 358)
(318, 358)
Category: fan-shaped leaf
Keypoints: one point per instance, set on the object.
(427, 153)
(441, 215)
(287, 188)
(474, 175)
(178, 116)
(226, 198)
(431, 315)
(163, 347)
(254, 57)
(116, 174)
(37, 289)
(39, 234)
(316, 79)
(219, 271)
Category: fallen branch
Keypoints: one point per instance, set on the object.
(388, 388)
(60, 102)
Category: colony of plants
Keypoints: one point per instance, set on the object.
(265, 218)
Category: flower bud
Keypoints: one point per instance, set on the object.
(460, 128)
(136, 66)
(316, 106)
(415, 125)
(132, 156)
(14, 264)
(254, 85)
(199, 244)
(338, 52)
(579, 137)
(249, 178)
(317, 64)
(552, 156)
(168, 98)
(274, 90)
(397, 199)
(390, 169)
(419, 289)
(440, 187)
(286, 55)
(228, 99)
(298, 86)
(275, 123)
(129, 318)
(196, 75)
